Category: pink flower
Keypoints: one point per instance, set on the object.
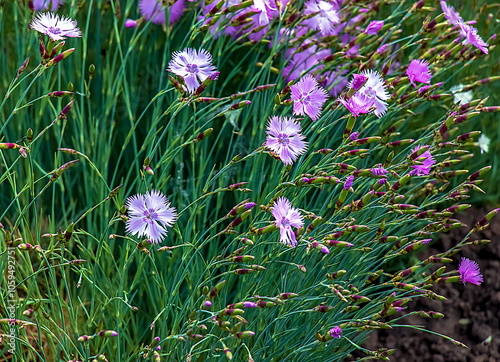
(44, 4)
(357, 82)
(418, 71)
(155, 9)
(130, 23)
(325, 21)
(358, 104)
(472, 37)
(336, 332)
(149, 215)
(469, 272)
(450, 14)
(375, 90)
(194, 66)
(379, 171)
(266, 9)
(374, 27)
(348, 182)
(354, 136)
(287, 216)
(426, 161)
(284, 138)
(308, 97)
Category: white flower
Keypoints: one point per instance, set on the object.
(484, 143)
(57, 28)
(459, 96)
(376, 91)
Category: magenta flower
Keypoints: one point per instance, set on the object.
(130, 23)
(469, 272)
(308, 97)
(266, 9)
(357, 81)
(194, 66)
(472, 37)
(284, 138)
(379, 171)
(450, 14)
(374, 27)
(375, 90)
(287, 216)
(57, 28)
(358, 104)
(44, 4)
(336, 332)
(426, 161)
(149, 215)
(354, 136)
(156, 10)
(348, 182)
(325, 21)
(418, 71)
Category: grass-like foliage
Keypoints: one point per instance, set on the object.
(288, 220)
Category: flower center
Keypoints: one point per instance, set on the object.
(285, 222)
(192, 68)
(150, 215)
(370, 92)
(283, 139)
(54, 30)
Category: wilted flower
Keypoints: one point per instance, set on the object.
(358, 104)
(336, 332)
(44, 4)
(450, 14)
(418, 71)
(149, 215)
(472, 37)
(484, 143)
(426, 161)
(308, 97)
(469, 272)
(374, 27)
(327, 18)
(284, 138)
(287, 216)
(375, 90)
(156, 10)
(57, 28)
(194, 66)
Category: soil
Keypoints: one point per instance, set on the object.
(472, 313)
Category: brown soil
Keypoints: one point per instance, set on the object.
(472, 313)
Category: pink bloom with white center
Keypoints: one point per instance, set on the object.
(375, 90)
(325, 21)
(285, 217)
(149, 215)
(374, 27)
(57, 28)
(418, 71)
(308, 97)
(469, 272)
(44, 4)
(472, 37)
(156, 10)
(450, 14)
(284, 138)
(358, 104)
(194, 66)
(426, 161)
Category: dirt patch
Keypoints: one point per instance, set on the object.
(472, 313)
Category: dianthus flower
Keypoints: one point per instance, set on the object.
(374, 27)
(375, 90)
(426, 161)
(57, 28)
(418, 71)
(156, 10)
(287, 216)
(149, 215)
(284, 138)
(469, 272)
(358, 104)
(472, 37)
(308, 97)
(484, 143)
(348, 182)
(336, 332)
(194, 66)
(325, 21)
(39, 5)
(379, 171)
(450, 14)
(357, 81)
(266, 9)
